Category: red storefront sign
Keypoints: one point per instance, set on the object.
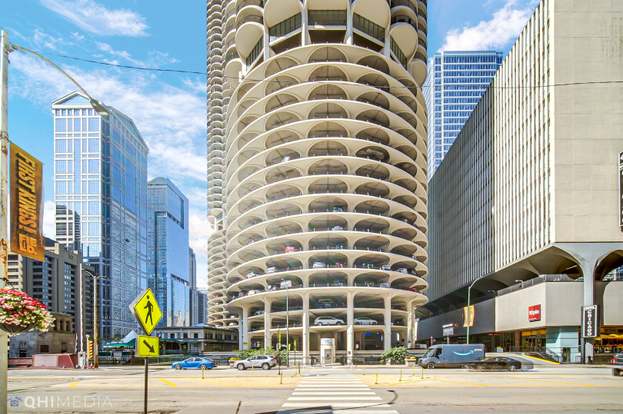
(534, 313)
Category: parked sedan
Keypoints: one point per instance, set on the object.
(495, 364)
(265, 362)
(364, 320)
(617, 359)
(328, 321)
(194, 363)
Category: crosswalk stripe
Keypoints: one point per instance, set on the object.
(334, 405)
(335, 398)
(337, 395)
(302, 393)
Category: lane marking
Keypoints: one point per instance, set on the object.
(167, 382)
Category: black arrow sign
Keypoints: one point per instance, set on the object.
(151, 348)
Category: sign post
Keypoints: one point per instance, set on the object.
(148, 313)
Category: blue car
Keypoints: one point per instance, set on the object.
(194, 363)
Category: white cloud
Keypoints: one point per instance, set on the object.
(49, 227)
(502, 28)
(95, 18)
(123, 54)
(42, 40)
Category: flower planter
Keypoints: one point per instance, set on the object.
(20, 313)
(14, 329)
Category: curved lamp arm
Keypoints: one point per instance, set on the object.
(97, 105)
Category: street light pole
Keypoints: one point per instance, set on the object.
(469, 309)
(4, 201)
(5, 49)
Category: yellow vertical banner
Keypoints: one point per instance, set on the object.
(468, 316)
(26, 174)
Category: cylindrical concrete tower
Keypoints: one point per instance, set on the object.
(325, 172)
(217, 106)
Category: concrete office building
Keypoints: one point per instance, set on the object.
(455, 83)
(100, 181)
(169, 256)
(325, 170)
(530, 187)
(56, 283)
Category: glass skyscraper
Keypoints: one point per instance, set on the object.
(169, 252)
(456, 82)
(100, 191)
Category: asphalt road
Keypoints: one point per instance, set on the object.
(377, 390)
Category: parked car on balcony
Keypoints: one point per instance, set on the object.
(386, 267)
(364, 320)
(271, 269)
(328, 321)
(258, 313)
(319, 265)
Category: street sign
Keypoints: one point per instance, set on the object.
(146, 310)
(590, 323)
(534, 313)
(147, 346)
(448, 329)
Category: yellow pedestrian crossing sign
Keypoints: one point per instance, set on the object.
(147, 346)
(146, 310)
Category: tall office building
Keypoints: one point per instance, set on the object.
(320, 110)
(456, 81)
(168, 251)
(100, 178)
(530, 191)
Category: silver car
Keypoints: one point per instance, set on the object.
(265, 362)
(328, 321)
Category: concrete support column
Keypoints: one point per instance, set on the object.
(244, 336)
(409, 341)
(387, 47)
(305, 334)
(268, 337)
(266, 44)
(304, 28)
(588, 351)
(349, 24)
(350, 330)
(387, 331)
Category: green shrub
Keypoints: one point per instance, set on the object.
(397, 355)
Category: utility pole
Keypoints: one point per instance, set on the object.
(4, 201)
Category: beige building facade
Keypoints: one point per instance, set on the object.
(531, 185)
(324, 186)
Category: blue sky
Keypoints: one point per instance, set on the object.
(169, 109)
